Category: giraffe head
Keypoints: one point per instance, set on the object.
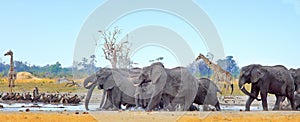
(9, 53)
(201, 56)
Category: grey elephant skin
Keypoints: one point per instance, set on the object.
(267, 79)
(207, 93)
(117, 86)
(296, 75)
(177, 83)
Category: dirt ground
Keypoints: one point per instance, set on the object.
(45, 117)
(107, 116)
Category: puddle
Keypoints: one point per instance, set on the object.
(92, 106)
(44, 107)
(238, 108)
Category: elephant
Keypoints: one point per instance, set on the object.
(267, 79)
(143, 94)
(296, 76)
(117, 85)
(178, 83)
(297, 101)
(207, 93)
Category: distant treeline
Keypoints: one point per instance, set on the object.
(48, 71)
(200, 69)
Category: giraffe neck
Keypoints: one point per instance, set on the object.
(11, 63)
(207, 62)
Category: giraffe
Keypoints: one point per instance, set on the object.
(11, 73)
(219, 73)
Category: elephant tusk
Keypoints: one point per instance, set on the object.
(136, 84)
(242, 87)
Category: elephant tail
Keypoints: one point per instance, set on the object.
(231, 86)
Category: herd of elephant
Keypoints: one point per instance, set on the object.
(155, 87)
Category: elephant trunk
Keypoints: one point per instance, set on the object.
(88, 80)
(243, 89)
(88, 96)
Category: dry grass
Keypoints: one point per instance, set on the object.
(236, 89)
(44, 85)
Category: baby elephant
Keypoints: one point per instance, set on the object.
(207, 93)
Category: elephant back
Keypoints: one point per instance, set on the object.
(279, 72)
(179, 81)
(123, 82)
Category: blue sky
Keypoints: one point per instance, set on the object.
(258, 31)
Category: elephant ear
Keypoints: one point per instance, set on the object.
(108, 80)
(246, 70)
(256, 74)
(109, 84)
(158, 73)
(114, 79)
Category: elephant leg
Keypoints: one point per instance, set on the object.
(277, 103)
(291, 97)
(167, 102)
(264, 95)
(254, 92)
(139, 98)
(111, 98)
(154, 101)
(106, 101)
(116, 98)
(137, 101)
(217, 106)
(189, 99)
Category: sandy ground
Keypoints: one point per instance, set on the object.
(115, 116)
(45, 117)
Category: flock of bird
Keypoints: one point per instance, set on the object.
(48, 98)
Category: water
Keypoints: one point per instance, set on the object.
(92, 107)
(238, 108)
(43, 107)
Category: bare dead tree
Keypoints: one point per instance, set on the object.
(115, 53)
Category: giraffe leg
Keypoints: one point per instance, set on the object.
(9, 82)
(13, 83)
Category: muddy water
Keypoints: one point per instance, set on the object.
(43, 107)
(95, 102)
(93, 107)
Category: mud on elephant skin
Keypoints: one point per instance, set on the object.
(267, 79)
